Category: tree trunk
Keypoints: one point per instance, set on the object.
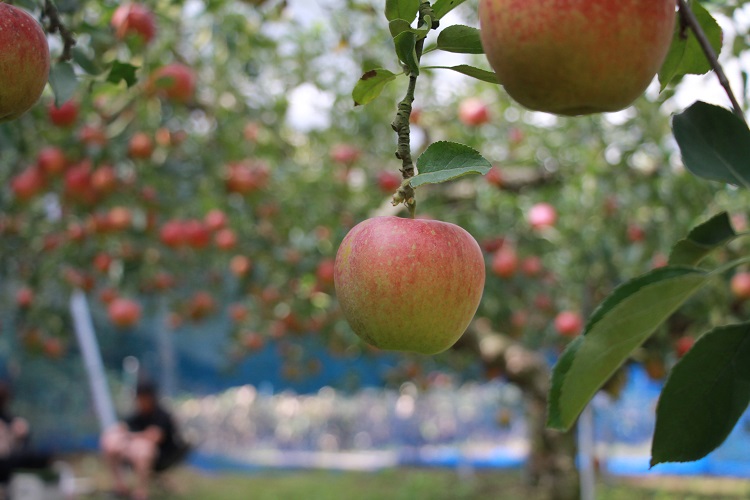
(551, 466)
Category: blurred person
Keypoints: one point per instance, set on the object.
(146, 441)
(15, 434)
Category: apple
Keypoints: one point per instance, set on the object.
(568, 323)
(25, 297)
(325, 271)
(504, 262)
(172, 233)
(175, 82)
(92, 136)
(409, 284)
(215, 219)
(542, 215)
(740, 285)
(119, 218)
(494, 177)
(104, 179)
(28, 183)
(196, 233)
(124, 312)
(683, 345)
(201, 305)
(134, 19)
(65, 115)
(389, 181)
(240, 265)
(53, 347)
(238, 312)
(102, 261)
(531, 266)
(78, 183)
(636, 233)
(226, 239)
(51, 160)
(24, 60)
(576, 57)
(473, 112)
(345, 154)
(141, 146)
(246, 177)
(107, 295)
(76, 232)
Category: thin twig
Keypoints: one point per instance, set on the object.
(401, 125)
(57, 26)
(688, 19)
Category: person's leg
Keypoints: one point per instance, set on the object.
(114, 444)
(142, 453)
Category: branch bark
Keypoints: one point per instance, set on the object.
(688, 19)
(56, 26)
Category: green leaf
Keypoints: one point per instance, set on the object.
(442, 7)
(445, 161)
(406, 50)
(685, 55)
(715, 144)
(479, 74)
(619, 325)
(460, 39)
(705, 395)
(398, 26)
(702, 240)
(370, 85)
(63, 81)
(401, 9)
(122, 72)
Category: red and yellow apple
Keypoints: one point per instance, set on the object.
(175, 82)
(134, 19)
(24, 62)
(575, 57)
(409, 284)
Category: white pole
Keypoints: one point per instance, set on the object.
(92, 359)
(586, 454)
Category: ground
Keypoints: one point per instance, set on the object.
(403, 483)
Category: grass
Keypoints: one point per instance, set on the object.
(404, 483)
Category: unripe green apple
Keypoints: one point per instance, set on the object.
(409, 284)
(24, 62)
(575, 57)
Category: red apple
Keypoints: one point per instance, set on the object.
(141, 146)
(24, 61)
(215, 219)
(65, 115)
(568, 323)
(238, 312)
(246, 177)
(683, 345)
(226, 239)
(473, 112)
(102, 261)
(104, 179)
(576, 57)
(124, 313)
(389, 181)
(28, 183)
(201, 305)
(51, 160)
(325, 272)
(196, 233)
(172, 233)
(494, 177)
(240, 265)
(740, 285)
(175, 82)
(134, 19)
(531, 266)
(119, 218)
(92, 136)
(24, 297)
(409, 284)
(345, 154)
(504, 262)
(542, 215)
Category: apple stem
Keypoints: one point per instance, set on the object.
(401, 125)
(56, 26)
(688, 20)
